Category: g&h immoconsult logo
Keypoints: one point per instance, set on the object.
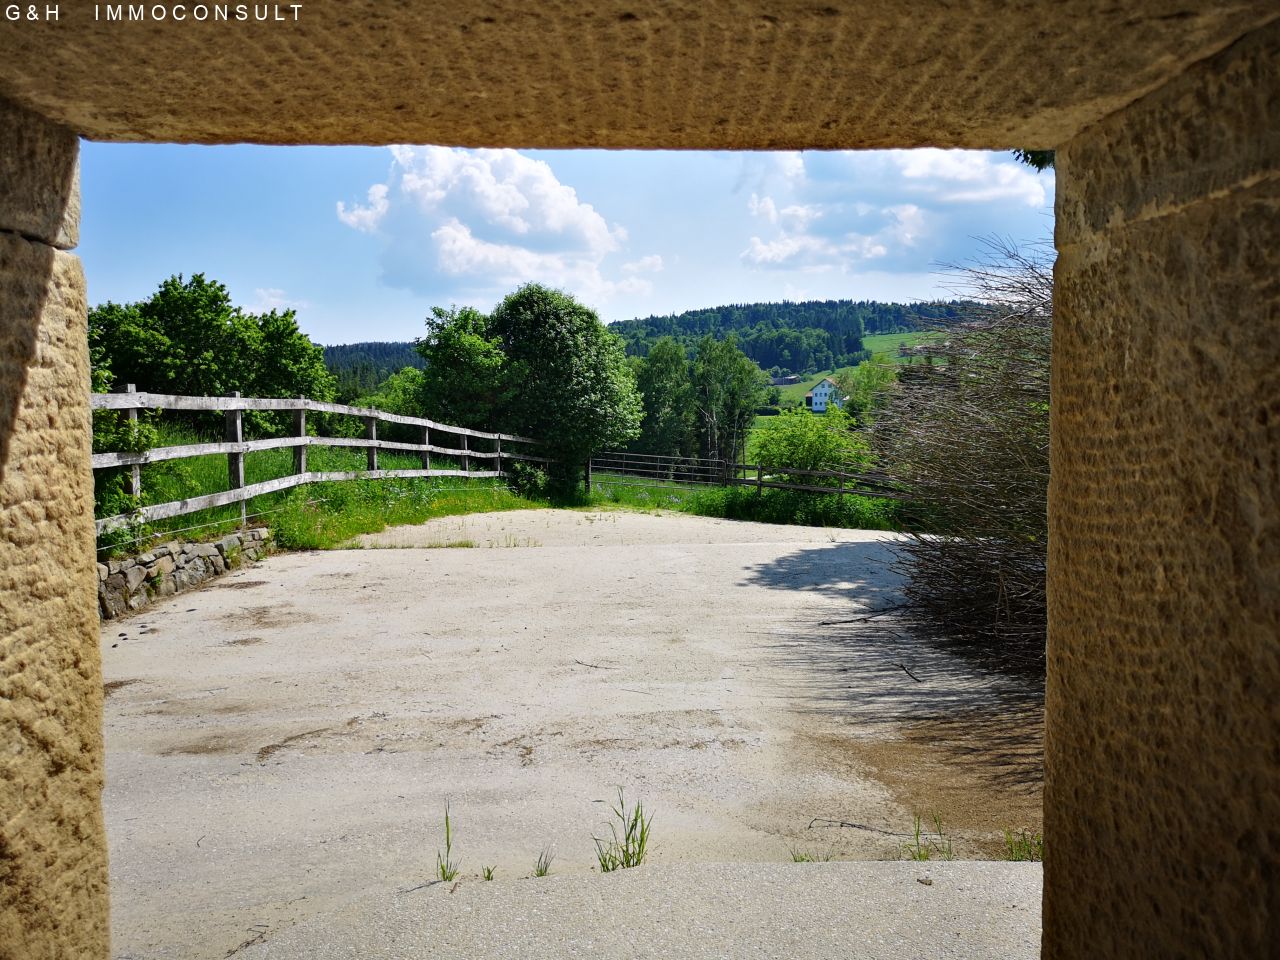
(156, 12)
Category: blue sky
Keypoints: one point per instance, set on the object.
(363, 241)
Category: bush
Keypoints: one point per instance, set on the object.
(969, 435)
(526, 480)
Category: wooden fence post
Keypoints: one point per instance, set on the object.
(466, 460)
(497, 448)
(426, 454)
(371, 433)
(300, 430)
(235, 461)
(587, 475)
(135, 472)
(759, 479)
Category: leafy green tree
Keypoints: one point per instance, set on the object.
(400, 393)
(663, 380)
(189, 338)
(464, 380)
(867, 386)
(1039, 159)
(565, 378)
(801, 440)
(727, 387)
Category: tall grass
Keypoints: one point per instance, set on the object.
(745, 503)
(314, 516)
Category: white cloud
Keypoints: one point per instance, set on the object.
(366, 218)
(763, 207)
(650, 264)
(266, 299)
(487, 220)
(968, 176)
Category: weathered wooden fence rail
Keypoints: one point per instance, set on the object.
(650, 470)
(235, 447)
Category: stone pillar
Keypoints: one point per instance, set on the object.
(53, 859)
(1162, 793)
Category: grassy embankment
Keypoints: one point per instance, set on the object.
(315, 516)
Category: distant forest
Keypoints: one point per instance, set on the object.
(362, 367)
(782, 338)
(788, 337)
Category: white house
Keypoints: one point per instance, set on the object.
(824, 393)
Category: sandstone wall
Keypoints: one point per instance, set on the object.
(53, 876)
(1162, 792)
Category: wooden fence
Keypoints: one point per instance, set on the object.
(649, 470)
(235, 447)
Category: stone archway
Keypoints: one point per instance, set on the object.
(1162, 782)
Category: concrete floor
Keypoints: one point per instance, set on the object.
(809, 911)
(281, 744)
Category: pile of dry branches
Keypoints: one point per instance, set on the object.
(967, 430)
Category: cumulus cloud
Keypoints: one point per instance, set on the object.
(458, 221)
(841, 211)
(367, 217)
(650, 264)
(968, 176)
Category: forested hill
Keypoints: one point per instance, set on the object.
(793, 337)
(361, 367)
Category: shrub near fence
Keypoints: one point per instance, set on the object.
(472, 446)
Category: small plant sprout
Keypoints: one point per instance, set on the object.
(446, 866)
(627, 846)
(1023, 845)
(486, 873)
(799, 855)
(923, 847)
(543, 866)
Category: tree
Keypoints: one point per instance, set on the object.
(810, 441)
(1039, 159)
(727, 387)
(400, 393)
(565, 378)
(663, 380)
(189, 338)
(465, 378)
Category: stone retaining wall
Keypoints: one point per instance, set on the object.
(131, 584)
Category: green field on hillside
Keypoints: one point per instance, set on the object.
(887, 343)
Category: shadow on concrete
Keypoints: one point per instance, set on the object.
(877, 666)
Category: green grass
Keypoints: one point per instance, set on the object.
(486, 873)
(799, 855)
(446, 867)
(1023, 845)
(923, 847)
(628, 843)
(316, 516)
(886, 344)
(543, 866)
(795, 507)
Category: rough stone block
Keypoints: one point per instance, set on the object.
(39, 178)
(1216, 129)
(102, 571)
(53, 898)
(163, 566)
(134, 576)
(1162, 786)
